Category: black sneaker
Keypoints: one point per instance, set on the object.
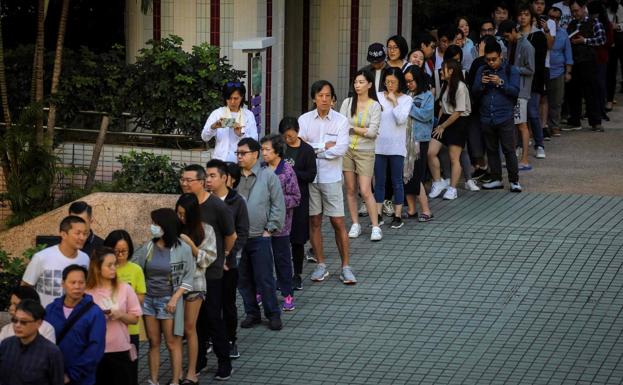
(397, 223)
(223, 373)
(297, 282)
(310, 256)
(486, 178)
(275, 323)
(249, 322)
(381, 221)
(233, 351)
(479, 173)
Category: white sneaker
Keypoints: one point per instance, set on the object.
(516, 187)
(437, 188)
(471, 185)
(450, 194)
(540, 153)
(355, 231)
(377, 234)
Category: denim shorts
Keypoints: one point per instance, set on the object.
(156, 307)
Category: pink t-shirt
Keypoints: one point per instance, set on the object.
(117, 336)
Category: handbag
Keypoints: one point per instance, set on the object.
(73, 318)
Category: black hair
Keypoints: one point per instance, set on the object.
(581, 3)
(426, 39)
(25, 292)
(218, 164)
(197, 168)
(613, 5)
(69, 221)
(193, 226)
(33, 308)
(276, 142)
(452, 51)
(319, 85)
(526, 7)
(251, 143)
(233, 171)
(74, 267)
(501, 5)
(231, 87)
(401, 42)
(556, 9)
(369, 76)
(170, 224)
(120, 235)
(507, 26)
(396, 72)
(446, 31)
(288, 123)
(597, 8)
(420, 78)
(452, 84)
(416, 50)
(492, 46)
(486, 21)
(80, 207)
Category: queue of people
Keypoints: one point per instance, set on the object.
(456, 105)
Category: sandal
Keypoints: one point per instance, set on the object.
(188, 381)
(524, 167)
(406, 215)
(425, 217)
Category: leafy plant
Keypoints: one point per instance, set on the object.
(32, 171)
(170, 90)
(144, 172)
(11, 272)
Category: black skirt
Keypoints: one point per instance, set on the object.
(455, 134)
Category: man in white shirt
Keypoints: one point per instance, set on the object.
(46, 267)
(327, 132)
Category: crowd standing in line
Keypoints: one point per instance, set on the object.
(462, 103)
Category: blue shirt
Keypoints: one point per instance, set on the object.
(497, 103)
(560, 54)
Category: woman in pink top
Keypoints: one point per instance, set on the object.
(122, 308)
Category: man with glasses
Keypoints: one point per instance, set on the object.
(487, 28)
(496, 84)
(261, 188)
(28, 357)
(210, 323)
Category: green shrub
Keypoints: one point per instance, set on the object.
(11, 272)
(144, 172)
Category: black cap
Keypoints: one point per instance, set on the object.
(376, 53)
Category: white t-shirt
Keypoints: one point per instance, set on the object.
(45, 272)
(566, 17)
(551, 25)
(45, 330)
(392, 136)
(463, 104)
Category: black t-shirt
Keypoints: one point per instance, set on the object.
(291, 154)
(216, 213)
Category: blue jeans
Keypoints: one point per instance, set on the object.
(283, 264)
(396, 163)
(256, 276)
(534, 119)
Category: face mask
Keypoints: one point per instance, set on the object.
(156, 231)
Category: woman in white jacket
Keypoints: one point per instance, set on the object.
(230, 123)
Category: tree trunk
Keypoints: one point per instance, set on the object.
(97, 150)
(56, 74)
(38, 69)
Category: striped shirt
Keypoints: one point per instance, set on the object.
(40, 362)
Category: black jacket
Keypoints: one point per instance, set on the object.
(238, 207)
(305, 169)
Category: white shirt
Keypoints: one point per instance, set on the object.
(46, 330)
(438, 59)
(463, 104)
(392, 137)
(45, 272)
(317, 131)
(551, 25)
(226, 138)
(566, 16)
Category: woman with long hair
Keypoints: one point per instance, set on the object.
(390, 146)
(451, 130)
(364, 117)
(132, 274)
(230, 123)
(418, 136)
(169, 269)
(194, 232)
(122, 308)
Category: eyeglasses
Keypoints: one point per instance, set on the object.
(392, 47)
(390, 82)
(487, 30)
(22, 322)
(187, 180)
(121, 252)
(410, 81)
(241, 154)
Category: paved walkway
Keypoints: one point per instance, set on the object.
(500, 288)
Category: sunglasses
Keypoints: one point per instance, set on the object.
(21, 321)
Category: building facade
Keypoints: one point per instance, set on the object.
(312, 40)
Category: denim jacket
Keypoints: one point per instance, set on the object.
(421, 114)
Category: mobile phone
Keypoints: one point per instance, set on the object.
(107, 311)
(543, 18)
(228, 122)
(487, 73)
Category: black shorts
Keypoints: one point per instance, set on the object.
(456, 134)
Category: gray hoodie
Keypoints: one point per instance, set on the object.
(265, 202)
(524, 62)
